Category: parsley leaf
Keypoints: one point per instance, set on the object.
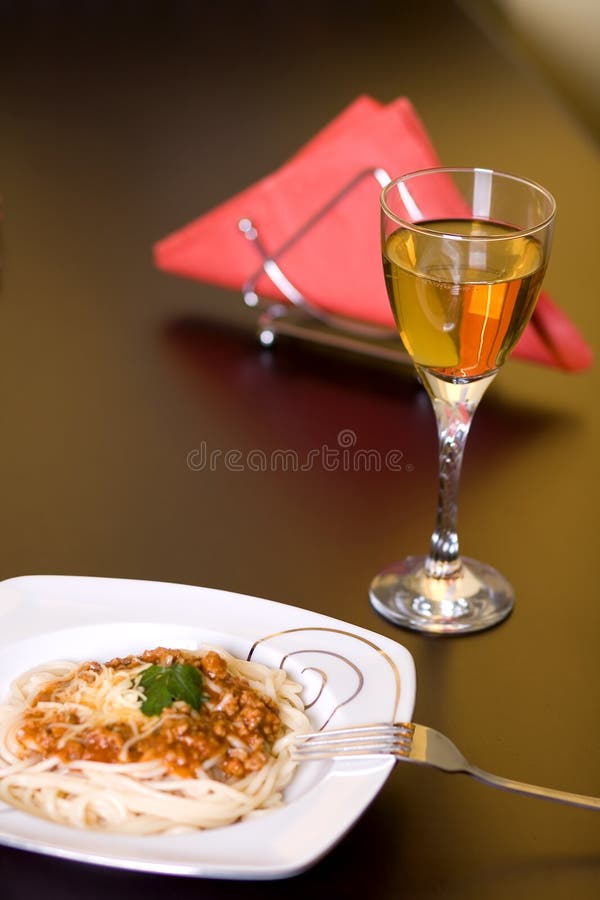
(163, 685)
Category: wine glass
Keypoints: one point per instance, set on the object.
(464, 255)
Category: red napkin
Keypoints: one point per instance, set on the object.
(336, 264)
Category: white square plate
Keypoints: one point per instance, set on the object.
(350, 675)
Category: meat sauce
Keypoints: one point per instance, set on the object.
(233, 731)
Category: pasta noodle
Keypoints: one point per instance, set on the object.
(76, 748)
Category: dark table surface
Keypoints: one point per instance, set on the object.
(120, 122)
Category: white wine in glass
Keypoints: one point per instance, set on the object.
(464, 255)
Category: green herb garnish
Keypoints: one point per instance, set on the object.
(163, 685)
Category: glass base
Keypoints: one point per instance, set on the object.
(474, 598)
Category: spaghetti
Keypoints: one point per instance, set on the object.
(77, 748)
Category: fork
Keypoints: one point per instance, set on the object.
(418, 744)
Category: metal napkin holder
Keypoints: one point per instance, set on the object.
(300, 317)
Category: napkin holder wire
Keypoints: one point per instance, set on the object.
(301, 318)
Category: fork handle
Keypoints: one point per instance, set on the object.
(533, 790)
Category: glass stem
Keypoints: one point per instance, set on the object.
(454, 404)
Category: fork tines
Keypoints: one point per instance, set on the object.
(364, 740)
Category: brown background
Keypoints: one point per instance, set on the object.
(120, 122)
